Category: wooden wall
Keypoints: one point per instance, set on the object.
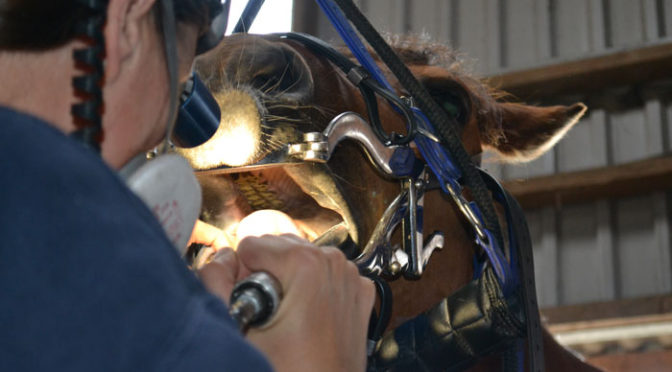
(608, 248)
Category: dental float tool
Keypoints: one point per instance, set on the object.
(255, 300)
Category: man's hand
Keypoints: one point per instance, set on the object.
(322, 321)
(221, 274)
(210, 236)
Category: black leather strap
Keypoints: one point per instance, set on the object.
(518, 226)
(475, 321)
(528, 287)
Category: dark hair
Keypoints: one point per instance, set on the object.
(45, 24)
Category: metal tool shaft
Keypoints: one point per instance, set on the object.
(255, 300)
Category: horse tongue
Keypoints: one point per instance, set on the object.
(266, 222)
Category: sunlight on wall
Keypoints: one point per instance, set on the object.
(274, 16)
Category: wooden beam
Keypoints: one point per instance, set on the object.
(592, 74)
(635, 178)
(634, 362)
(620, 326)
(629, 308)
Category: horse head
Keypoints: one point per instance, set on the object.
(272, 91)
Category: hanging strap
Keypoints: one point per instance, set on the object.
(524, 263)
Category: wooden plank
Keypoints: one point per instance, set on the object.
(628, 135)
(627, 26)
(610, 322)
(585, 146)
(667, 17)
(634, 362)
(589, 75)
(615, 181)
(387, 15)
(651, 18)
(662, 241)
(604, 249)
(520, 34)
(654, 113)
(544, 29)
(430, 17)
(637, 133)
(579, 249)
(596, 26)
(667, 127)
(640, 268)
(476, 32)
(571, 28)
(542, 224)
(619, 335)
(635, 307)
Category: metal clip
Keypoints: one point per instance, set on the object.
(412, 233)
(468, 213)
(418, 253)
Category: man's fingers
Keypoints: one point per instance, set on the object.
(209, 235)
(274, 253)
(219, 276)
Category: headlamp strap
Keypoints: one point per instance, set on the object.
(169, 30)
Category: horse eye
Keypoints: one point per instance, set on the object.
(451, 109)
(454, 106)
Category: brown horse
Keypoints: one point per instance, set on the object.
(286, 90)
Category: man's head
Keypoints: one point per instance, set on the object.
(136, 81)
(38, 25)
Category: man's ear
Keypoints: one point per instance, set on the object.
(527, 132)
(123, 32)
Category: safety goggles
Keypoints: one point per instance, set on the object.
(199, 114)
(216, 30)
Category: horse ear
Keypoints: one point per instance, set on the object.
(527, 132)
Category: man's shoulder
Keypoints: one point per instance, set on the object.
(31, 143)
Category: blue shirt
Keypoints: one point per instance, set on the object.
(88, 279)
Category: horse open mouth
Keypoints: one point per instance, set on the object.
(306, 198)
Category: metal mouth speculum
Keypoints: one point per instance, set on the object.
(379, 257)
(393, 161)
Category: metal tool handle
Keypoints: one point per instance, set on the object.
(255, 300)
